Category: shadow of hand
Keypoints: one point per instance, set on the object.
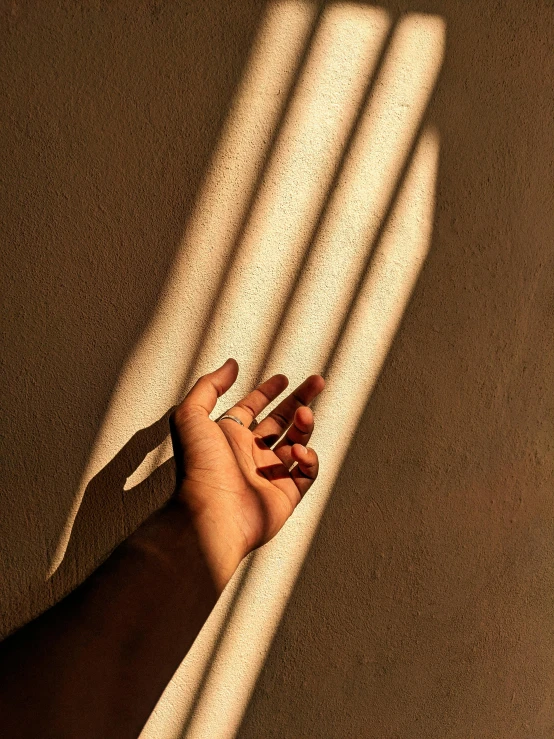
(109, 513)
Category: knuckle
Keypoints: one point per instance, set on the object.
(264, 394)
(280, 419)
(246, 407)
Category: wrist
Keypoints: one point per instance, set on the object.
(220, 539)
(168, 539)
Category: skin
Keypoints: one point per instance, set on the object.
(96, 663)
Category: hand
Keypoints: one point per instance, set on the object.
(237, 483)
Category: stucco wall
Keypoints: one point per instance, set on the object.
(425, 606)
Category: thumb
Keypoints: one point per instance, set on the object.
(210, 387)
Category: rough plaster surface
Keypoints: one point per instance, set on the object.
(425, 605)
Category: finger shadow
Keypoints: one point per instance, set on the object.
(109, 513)
(267, 442)
(273, 472)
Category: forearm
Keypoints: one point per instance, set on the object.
(96, 664)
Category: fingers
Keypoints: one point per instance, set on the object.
(254, 403)
(276, 423)
(292, 448)
(307, 468)
(299, 432)
(295, 482)
(210, 387)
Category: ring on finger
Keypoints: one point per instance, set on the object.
(230, 417)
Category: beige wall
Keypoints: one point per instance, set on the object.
(151, 153)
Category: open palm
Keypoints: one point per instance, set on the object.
(239, 484)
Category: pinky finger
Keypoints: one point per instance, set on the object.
(305, 472)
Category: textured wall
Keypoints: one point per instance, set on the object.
(425, 605)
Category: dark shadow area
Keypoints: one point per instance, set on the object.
(109, 117)
(424, 608)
